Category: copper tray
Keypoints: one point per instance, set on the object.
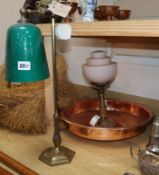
(131, 120)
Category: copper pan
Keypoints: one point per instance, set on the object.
(131, 119)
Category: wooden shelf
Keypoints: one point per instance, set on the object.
(128, 28)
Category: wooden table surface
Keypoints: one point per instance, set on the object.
(92, 157)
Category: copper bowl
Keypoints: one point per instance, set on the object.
(123, 14)
(108, 11)
(131, 119)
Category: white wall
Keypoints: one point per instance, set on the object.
(140, 8)
(9, 15)
(137, 76)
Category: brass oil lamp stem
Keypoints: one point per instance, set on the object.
(102, 106)
(104, 121)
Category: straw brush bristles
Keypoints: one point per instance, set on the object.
(22, 108)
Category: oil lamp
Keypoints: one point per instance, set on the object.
(100, 71)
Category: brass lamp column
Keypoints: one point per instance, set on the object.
(58, 154)
(104, 121)
(102, 106)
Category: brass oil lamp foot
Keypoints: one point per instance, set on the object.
(57, 156)
(104, 121)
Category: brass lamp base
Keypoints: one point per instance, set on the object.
(57, 156)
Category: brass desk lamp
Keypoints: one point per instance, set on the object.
(59, 154)
(26, 62)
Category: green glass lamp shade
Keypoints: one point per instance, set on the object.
(25, 54)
